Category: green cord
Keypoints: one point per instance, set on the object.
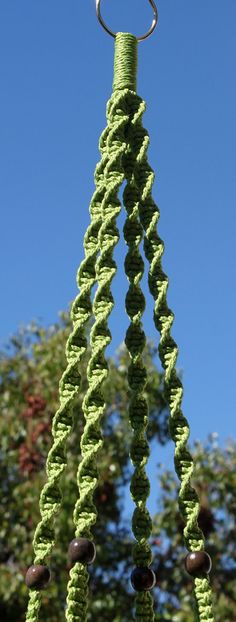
(123, 147)
(125, 62)
(93, 405)
(168, 351)
(81, 312)
(85, 513)
(137, 376)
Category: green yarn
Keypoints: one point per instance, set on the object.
(77, 594)
(94, 405)
(81, 312)
(137, 376)
(125, 63)
(123, 147)
(144, 607)
(100, 337)
(34, 604)
(168, 351)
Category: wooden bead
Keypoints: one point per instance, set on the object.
(197, 563)
(37, 577)
(82, 550)
(143, 579)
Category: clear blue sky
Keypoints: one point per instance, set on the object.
(56, 75)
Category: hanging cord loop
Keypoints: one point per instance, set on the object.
(113, 34)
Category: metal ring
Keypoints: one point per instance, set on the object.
(113, 34)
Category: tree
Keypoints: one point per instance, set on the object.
(29, 373)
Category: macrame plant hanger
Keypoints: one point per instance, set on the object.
(123, 148)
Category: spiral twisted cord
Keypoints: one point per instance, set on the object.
(81, 311)
(168, 351)
(123, 147)
(137, 376)
(85, 512)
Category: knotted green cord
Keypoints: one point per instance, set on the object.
(50, 499)
(138, 411)
(137, 376)
(123, 147)
(143, 177)
(94, 406)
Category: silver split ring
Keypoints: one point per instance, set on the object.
(113, 34)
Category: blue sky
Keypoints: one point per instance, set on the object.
(56, 76)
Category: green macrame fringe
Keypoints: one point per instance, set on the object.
(123, 147)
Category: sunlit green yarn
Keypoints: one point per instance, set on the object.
(85, 512)
(34, 604)
(163, 318)
(123, 147)
(125, 62)
(137, 376)
(100, 337)
(77, 594)
(50, 500)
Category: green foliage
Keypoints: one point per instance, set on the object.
(29, 373)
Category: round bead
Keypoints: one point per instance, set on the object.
(198, 562)
(143, 579)
(82, 550)
(37, 577)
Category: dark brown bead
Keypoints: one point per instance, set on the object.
(82, 550)
(197, 563)
(37, 577)
(143, 579)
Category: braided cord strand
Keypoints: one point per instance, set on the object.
(81, 311)
(137, 375)
(85, 512)
(168, 351)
